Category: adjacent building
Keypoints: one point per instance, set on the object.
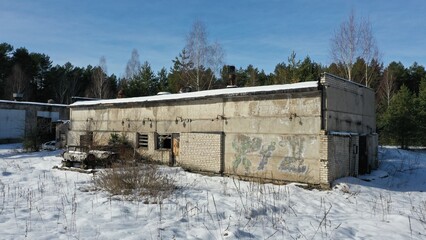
(18, 119)
(313, 132)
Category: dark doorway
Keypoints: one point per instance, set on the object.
(363, 156)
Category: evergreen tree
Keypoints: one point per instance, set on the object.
(163, 85)
(179, 73)
(280, 74)
(399, 73)
(398, 122)
(292, 68)
(421, 113)
(252, 76)
(142, 84)
(5, 65)
(416, 73)
(309, 70)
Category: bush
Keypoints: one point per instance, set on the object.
(116, 139)
(135, 181)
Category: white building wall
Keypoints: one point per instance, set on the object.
(12, 123)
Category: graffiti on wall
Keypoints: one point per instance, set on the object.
(292, 162)
(243, 145)
(266, 153)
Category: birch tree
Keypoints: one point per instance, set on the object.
(100, 86)
(203, 56)
(387, 86)
(354, 39)
(133, 65)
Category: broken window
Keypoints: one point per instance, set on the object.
(142, 140)
(164, 141)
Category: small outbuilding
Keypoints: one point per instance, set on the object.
(19, 119)
(312, 132)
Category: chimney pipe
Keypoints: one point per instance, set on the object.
(231, 77)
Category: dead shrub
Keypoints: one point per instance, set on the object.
(140, 181)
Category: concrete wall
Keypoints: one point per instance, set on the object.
(348, 107)
(272, 136)
(304, 135)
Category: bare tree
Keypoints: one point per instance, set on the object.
(215, 61)
(387, 86)
(17, 82)
(100, 86)
(351, 41)
(133, 65)
(201, 54)
(62, 88)
(18, 79)
(370, 51)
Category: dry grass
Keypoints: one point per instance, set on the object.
(140, 181)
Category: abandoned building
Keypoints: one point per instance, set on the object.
(312, 132)
(18, 119)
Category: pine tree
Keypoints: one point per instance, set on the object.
(142, 84)
(421, 113)
(398, 122)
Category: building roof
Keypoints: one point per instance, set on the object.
(33, 103)
(225, 92)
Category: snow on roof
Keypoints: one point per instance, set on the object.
(34, 103)
(202, 94)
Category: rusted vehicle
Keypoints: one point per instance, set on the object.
(82, 157)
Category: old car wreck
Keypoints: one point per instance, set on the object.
(82, 157)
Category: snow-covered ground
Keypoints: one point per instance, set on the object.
(38, 202)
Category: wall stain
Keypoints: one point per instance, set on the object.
(295, 162)
(243, 145)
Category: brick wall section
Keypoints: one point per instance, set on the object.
(324, 163)
(201, 151)
(338, 157)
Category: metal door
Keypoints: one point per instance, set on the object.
(363, 167)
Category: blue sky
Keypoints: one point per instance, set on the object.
(261, 33)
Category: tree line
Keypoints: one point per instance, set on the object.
(400, 90)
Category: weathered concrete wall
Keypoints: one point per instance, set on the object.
(349, 107)
(285, 127)
(275, 138)
(273, 156)
(285, 135)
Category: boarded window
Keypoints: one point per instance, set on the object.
(164, 141)
(142, 140)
